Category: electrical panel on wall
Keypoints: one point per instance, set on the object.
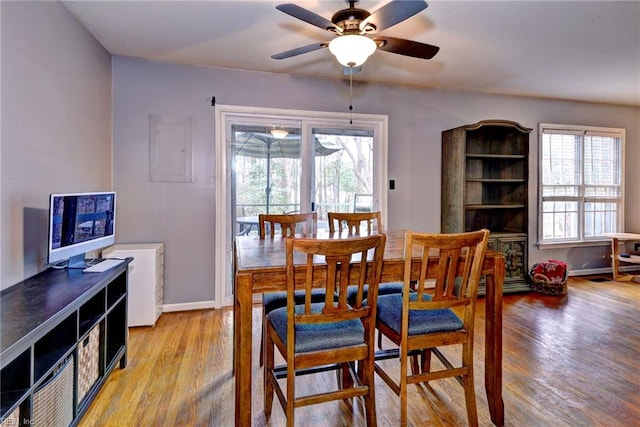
(170, 149)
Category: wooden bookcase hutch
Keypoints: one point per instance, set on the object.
(485, 174)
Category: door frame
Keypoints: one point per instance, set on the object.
(223, 238)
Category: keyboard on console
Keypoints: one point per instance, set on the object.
(103, 266)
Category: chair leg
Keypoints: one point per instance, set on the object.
(291, 397)
(403, 390)
(262, 335)
(343, 375)
(268, 366)
(403, 405)
(426, 361)
(415, 368)
(469, 388)
(344, 380)
(470, 399)
(368, 378)
(340, 377)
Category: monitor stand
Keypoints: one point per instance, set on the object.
(77, 261)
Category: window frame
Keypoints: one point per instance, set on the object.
(581, 199)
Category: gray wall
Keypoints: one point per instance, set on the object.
(183, 213)
(58, 87)
(56, 125)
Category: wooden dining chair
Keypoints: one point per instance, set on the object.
(420, 322)
(332, 332)
(287, 225)
(353, 223)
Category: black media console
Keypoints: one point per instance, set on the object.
(62, 333)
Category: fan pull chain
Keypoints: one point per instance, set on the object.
(351, 95)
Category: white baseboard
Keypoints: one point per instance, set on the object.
(202, 305)
(199, 305)
(604, 270)
(588, 271)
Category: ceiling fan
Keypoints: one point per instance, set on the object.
(353, 28)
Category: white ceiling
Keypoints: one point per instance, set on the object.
(576, 50)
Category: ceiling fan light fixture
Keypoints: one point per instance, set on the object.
(352, 50)
(278, 133)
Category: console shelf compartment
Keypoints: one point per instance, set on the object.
(15, 382)
(48, 350)
(46, 322)
(91, 312)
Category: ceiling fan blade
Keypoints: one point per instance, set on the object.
(406, 47)
(391, 14)
(300, 50)
(308, 17)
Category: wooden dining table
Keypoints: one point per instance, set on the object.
(260, 266)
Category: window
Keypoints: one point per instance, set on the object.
(581, 183)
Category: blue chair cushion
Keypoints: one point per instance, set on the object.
(383, 289)
(273, 300)
(323, 336)
(420, 321)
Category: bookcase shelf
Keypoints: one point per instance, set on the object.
(485, 173)
(47, 320)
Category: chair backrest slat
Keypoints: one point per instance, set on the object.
(458, 270)
(339, 263)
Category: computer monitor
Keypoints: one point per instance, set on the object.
(79, 223)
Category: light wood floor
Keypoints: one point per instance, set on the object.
(572, 361)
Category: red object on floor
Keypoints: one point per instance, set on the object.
(554, 270)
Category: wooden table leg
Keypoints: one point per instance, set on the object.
(242, 352)
(615, 264)
(493, 341)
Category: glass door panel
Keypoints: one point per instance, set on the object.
(343, 180)
(266, 169)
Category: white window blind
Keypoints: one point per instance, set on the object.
(581, 183)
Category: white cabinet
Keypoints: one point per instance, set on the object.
(146, 280)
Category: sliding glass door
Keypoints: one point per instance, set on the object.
(286, 162)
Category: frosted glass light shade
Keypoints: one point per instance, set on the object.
(352, 50)
(279, 133)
